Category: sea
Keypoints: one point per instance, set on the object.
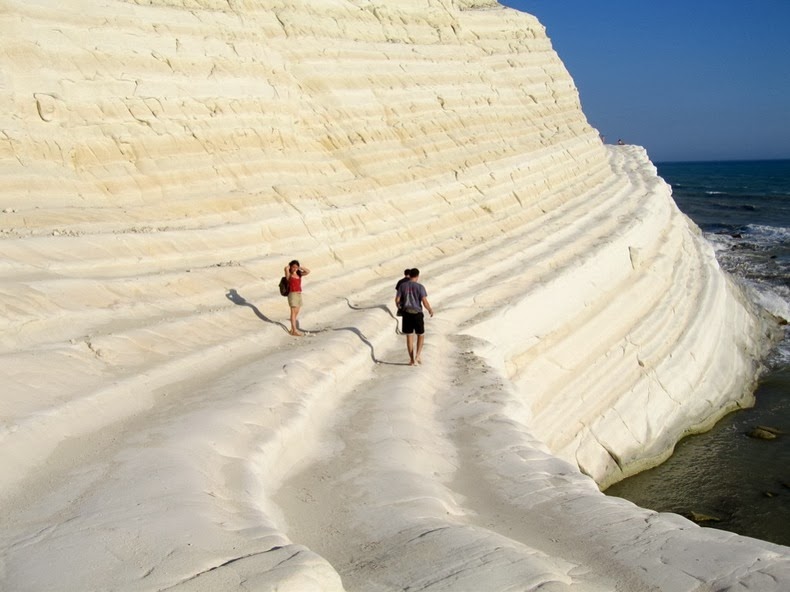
(724, 478)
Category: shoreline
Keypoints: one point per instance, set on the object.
(747, 497)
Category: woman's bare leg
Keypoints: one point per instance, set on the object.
(294, 314)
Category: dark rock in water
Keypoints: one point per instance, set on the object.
(760, 434)
(737, 235)
(700, 518)
(763, 433)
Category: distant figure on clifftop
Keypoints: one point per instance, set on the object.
(294, 273)
(620, 142)
(411, 297)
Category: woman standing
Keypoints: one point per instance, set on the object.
(294, 273)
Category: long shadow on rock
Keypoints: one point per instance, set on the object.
(238, 299)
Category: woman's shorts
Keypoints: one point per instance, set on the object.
(413, 323)
(295, 299)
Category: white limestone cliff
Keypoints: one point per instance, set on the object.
(163, 159)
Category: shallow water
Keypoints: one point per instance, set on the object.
(742, 482)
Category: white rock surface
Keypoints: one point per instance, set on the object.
(160, 163)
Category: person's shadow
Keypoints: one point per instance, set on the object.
(364, 339)
(237, 298)
(383, 307)
(367, 342)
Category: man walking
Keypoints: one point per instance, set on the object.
(410, 299)
(401, 281)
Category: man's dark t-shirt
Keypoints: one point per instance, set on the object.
(410, 295)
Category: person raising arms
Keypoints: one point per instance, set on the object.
(294, 273)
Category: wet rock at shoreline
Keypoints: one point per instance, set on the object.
(763, 433)
(700, 518)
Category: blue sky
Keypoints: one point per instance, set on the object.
(688, 80)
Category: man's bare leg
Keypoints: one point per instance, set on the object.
(410, 348)
(420, 339)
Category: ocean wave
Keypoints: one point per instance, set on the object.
(772, 299)
(781, 356)
(757, 237)
(757, 255)
(721, 241)
(772, 234)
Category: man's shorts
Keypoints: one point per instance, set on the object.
(413, 323)
(295, 299)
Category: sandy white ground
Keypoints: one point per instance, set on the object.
(159, 428)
